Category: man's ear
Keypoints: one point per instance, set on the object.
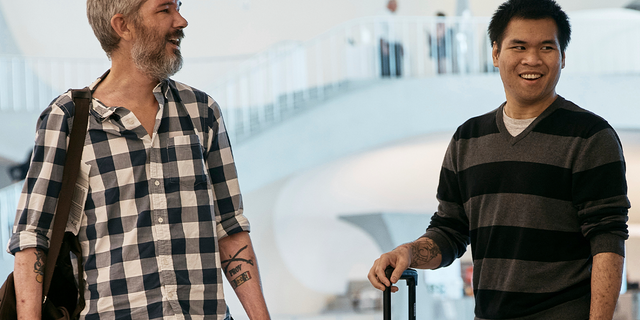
(563, 60)
(121, 26)
(495, 52)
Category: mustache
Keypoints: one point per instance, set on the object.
(178, 34)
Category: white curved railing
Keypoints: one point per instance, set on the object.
(274, 83)
(30, 83)
(277, 82)
(287, 77)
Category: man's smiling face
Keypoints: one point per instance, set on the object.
(530, 60)
(159, 31)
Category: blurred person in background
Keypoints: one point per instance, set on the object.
(391, 50)
(163, 217)
(444, 45)
(537, 187)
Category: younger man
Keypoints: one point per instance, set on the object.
(536, 186)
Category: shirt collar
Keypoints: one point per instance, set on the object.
(102, 112)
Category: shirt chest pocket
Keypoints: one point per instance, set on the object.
(184, 163)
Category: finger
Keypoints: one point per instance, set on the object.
(394, 289)
(382, 277)
(374, 280)
(397, 274)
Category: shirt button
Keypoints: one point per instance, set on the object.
(157, 183)
(160, 220)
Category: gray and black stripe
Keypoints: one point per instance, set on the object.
(535, 208)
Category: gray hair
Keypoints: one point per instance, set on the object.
(100, 12)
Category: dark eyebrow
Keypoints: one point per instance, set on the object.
(518, 41)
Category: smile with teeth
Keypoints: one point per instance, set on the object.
(174, 41)
(531, 76)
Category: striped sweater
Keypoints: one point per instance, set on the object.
(535, 208)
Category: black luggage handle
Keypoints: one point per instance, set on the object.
(411, 277)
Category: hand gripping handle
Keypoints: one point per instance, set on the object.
(411, 277)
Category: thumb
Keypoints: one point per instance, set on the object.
(397, 273)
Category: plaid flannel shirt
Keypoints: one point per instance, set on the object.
(155, 206)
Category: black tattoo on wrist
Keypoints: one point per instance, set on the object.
(424, 251)
(235, 258)
(240, 280)
(38, 266)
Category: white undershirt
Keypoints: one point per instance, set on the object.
(515, 126)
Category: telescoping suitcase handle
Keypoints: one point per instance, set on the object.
(411, 277)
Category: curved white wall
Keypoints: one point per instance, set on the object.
(399, 178)
(390, 110)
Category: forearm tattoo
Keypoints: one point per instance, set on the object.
(232, 271)
(424, 251)
(240, 280)
(38, 267)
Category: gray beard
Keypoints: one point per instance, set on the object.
(155, 62)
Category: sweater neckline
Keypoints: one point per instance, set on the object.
(513, 140)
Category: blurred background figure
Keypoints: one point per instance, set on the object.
(392, 5)
(390, 46)
(444, 48)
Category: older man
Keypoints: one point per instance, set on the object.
(162, 220)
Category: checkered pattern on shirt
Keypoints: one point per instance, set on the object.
(155, 209)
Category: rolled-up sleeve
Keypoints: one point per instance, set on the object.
(37, 204)
(224, 177)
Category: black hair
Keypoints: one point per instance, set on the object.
(529, 9)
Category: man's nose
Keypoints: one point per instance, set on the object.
(181, 22)
(532, 57)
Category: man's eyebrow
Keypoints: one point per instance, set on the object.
(170, 3)
(518, 41)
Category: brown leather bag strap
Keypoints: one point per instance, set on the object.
(82, 100)
(77, 251)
